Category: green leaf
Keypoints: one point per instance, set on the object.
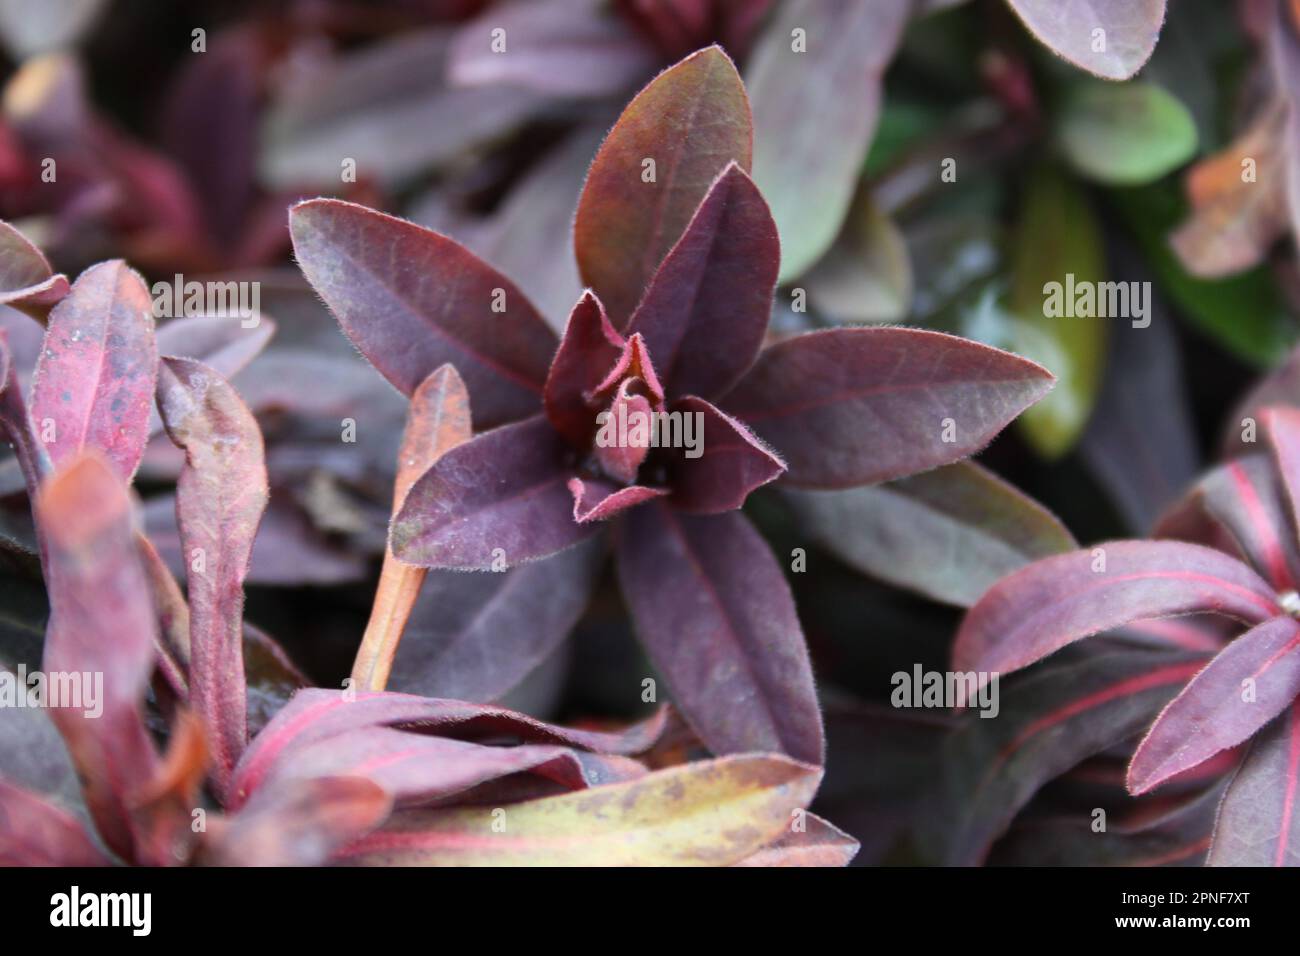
(1245, 313)
(1125, 134)
(1058, 237)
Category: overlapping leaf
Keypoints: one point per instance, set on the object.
(852, 406)
(691, 122)
(220, 498)
(729, 642)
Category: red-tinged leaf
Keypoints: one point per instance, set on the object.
(589, 349)
(562, 47)
(412, 300)
(94, 382)
(1282, 426)
(691, 120)
(1040, 609)
(714, 613)
(1240, 508)
(811, 143)
(314, 715)
(26, 280)
(731, 462)
(301, 823)
(633, 362)
(102, 628)
(1246, 685)
(415, 768)
(597, 500)
(497, 501)
(818, 844)
(220, 498)
(706, 309)
(438, 419)
(35, 832)
(1111, 38)
(949, 534)
(1176, 836)
(1280, 386)
(1047, 723)
(1259, 818)
(854, 406)
(476, 636)
(711, 813)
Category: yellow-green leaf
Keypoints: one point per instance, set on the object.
(1057, 257)
(710, 813)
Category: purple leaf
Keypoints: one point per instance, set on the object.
(597, 500)
(1246, 685)
(949, 534)
(1047, 723)
(589, 348)
(706, 310)
(412, 300)
(476, 636)
(1282, 425)
(691, 121)
(1111, 38)
(1142, 836)
(93, 385)
(315, 715)
(1259, 818)
(732, 464)
(496, 501)
(415, 768)
(220, 498)
(1040, 609)
(714, 613)
(811, 142)
(855, 406)
(1240, 508)
(101, 623)
(26, 280)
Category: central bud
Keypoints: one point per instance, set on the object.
(630, 399)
